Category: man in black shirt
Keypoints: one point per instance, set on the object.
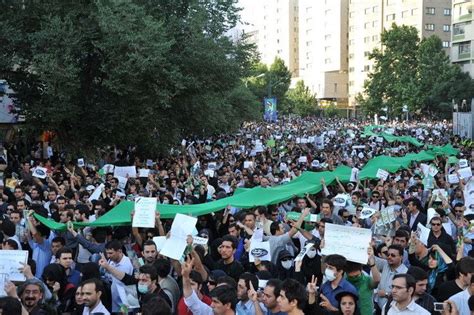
(464, 271)
(227, 263)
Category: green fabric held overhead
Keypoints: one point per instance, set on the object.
(308, 182)
(388, 137)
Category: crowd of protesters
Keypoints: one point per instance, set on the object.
(95, 270)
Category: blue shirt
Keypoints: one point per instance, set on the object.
(41, 254)
(330, 293)
(248, 308)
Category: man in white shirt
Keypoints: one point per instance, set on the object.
(403, 289)
(91, 292)
(461, 299)
(121, 262)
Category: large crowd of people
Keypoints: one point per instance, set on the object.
(119, 269)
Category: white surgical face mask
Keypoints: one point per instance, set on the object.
(311, 253)
(287, 264)
(330, 275)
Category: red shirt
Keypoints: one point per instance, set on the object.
(183, 308)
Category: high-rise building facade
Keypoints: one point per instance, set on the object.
(274, 28)
(367, 20)
(323, 49)
(462, 50)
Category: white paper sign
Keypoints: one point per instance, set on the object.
(149, 163)
(303, 159)
(469, 197)
(432, 171)
(108, 168)
(209, 173)
(159, 242)
(125, 171)
(341, 199)
(97, 192)
(463, 172)
(143, 172)
(122, 181)
(463, 163)
(439, 193)
(367, 212)
(453, 179)
(40, 172)
(336, 242)
(145, 209)
(303, 252)
(423, 233)
(200, 240)
(382, 174)
(10, 263)
(354, 174)
(283, 167)
(182, 226)
(248, 164)
(80, 162)
(212, 166)
(259, 250)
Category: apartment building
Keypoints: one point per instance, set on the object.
(367, 20)
(323, 49)
(462, 50)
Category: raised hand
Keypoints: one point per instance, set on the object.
(311, 286)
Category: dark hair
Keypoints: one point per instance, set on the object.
(8, 227)
(43, 230)
(99, 286)
(196, 277)
(410, 281)
(397, 247)
(149, 270)
(149, 243)
(402, 233)
(329, 202)
(274, 227)
(12, 243)
(417, 273)
(276, 285)
(63, 250)
(163, 267)
(227, 280)
(326, 220)
(249, 278)
(59, 239)
(353, 266)
(231, 239)
(338, 261)
(262, 210)
(113, 244)
(470, 303)
(416, 202)
(294, 291)
(225, 294)
(90, 270)
(465, 266)
(10, 305)
(100, 235)
(56, 273)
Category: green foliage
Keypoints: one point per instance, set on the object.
(412, 72)
(126, 71)
(301, 101)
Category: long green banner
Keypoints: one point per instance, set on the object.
(308, 182)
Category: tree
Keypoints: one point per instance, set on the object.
(301, 101)
(274, 80)
(126, 71)
(413, 73)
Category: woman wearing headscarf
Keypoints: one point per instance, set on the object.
(54, 276)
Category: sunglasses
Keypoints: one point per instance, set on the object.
(385, 252)
(391, 255)
(435, 224)
(212, 282)
(346, 217)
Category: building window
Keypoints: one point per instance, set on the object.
(351, 69)
(367, 25)
(351, 83)
(445, 44)
(465, 48)
(351, 14)
(327, 60)
(458, 29)
(351, 56)
(390, 17)
(335, 87)
(309, 43)
(366, 11)
(366, 53)
(351, 28)
(351, 42)
(404, 13)
(414, 11)
(327, 37)
(430, 10)
(375, 38)
(367, 39)
(327, 48)
(446, 27)
(429, 27)
(447, 11)
(375, 9)
(366, 68)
